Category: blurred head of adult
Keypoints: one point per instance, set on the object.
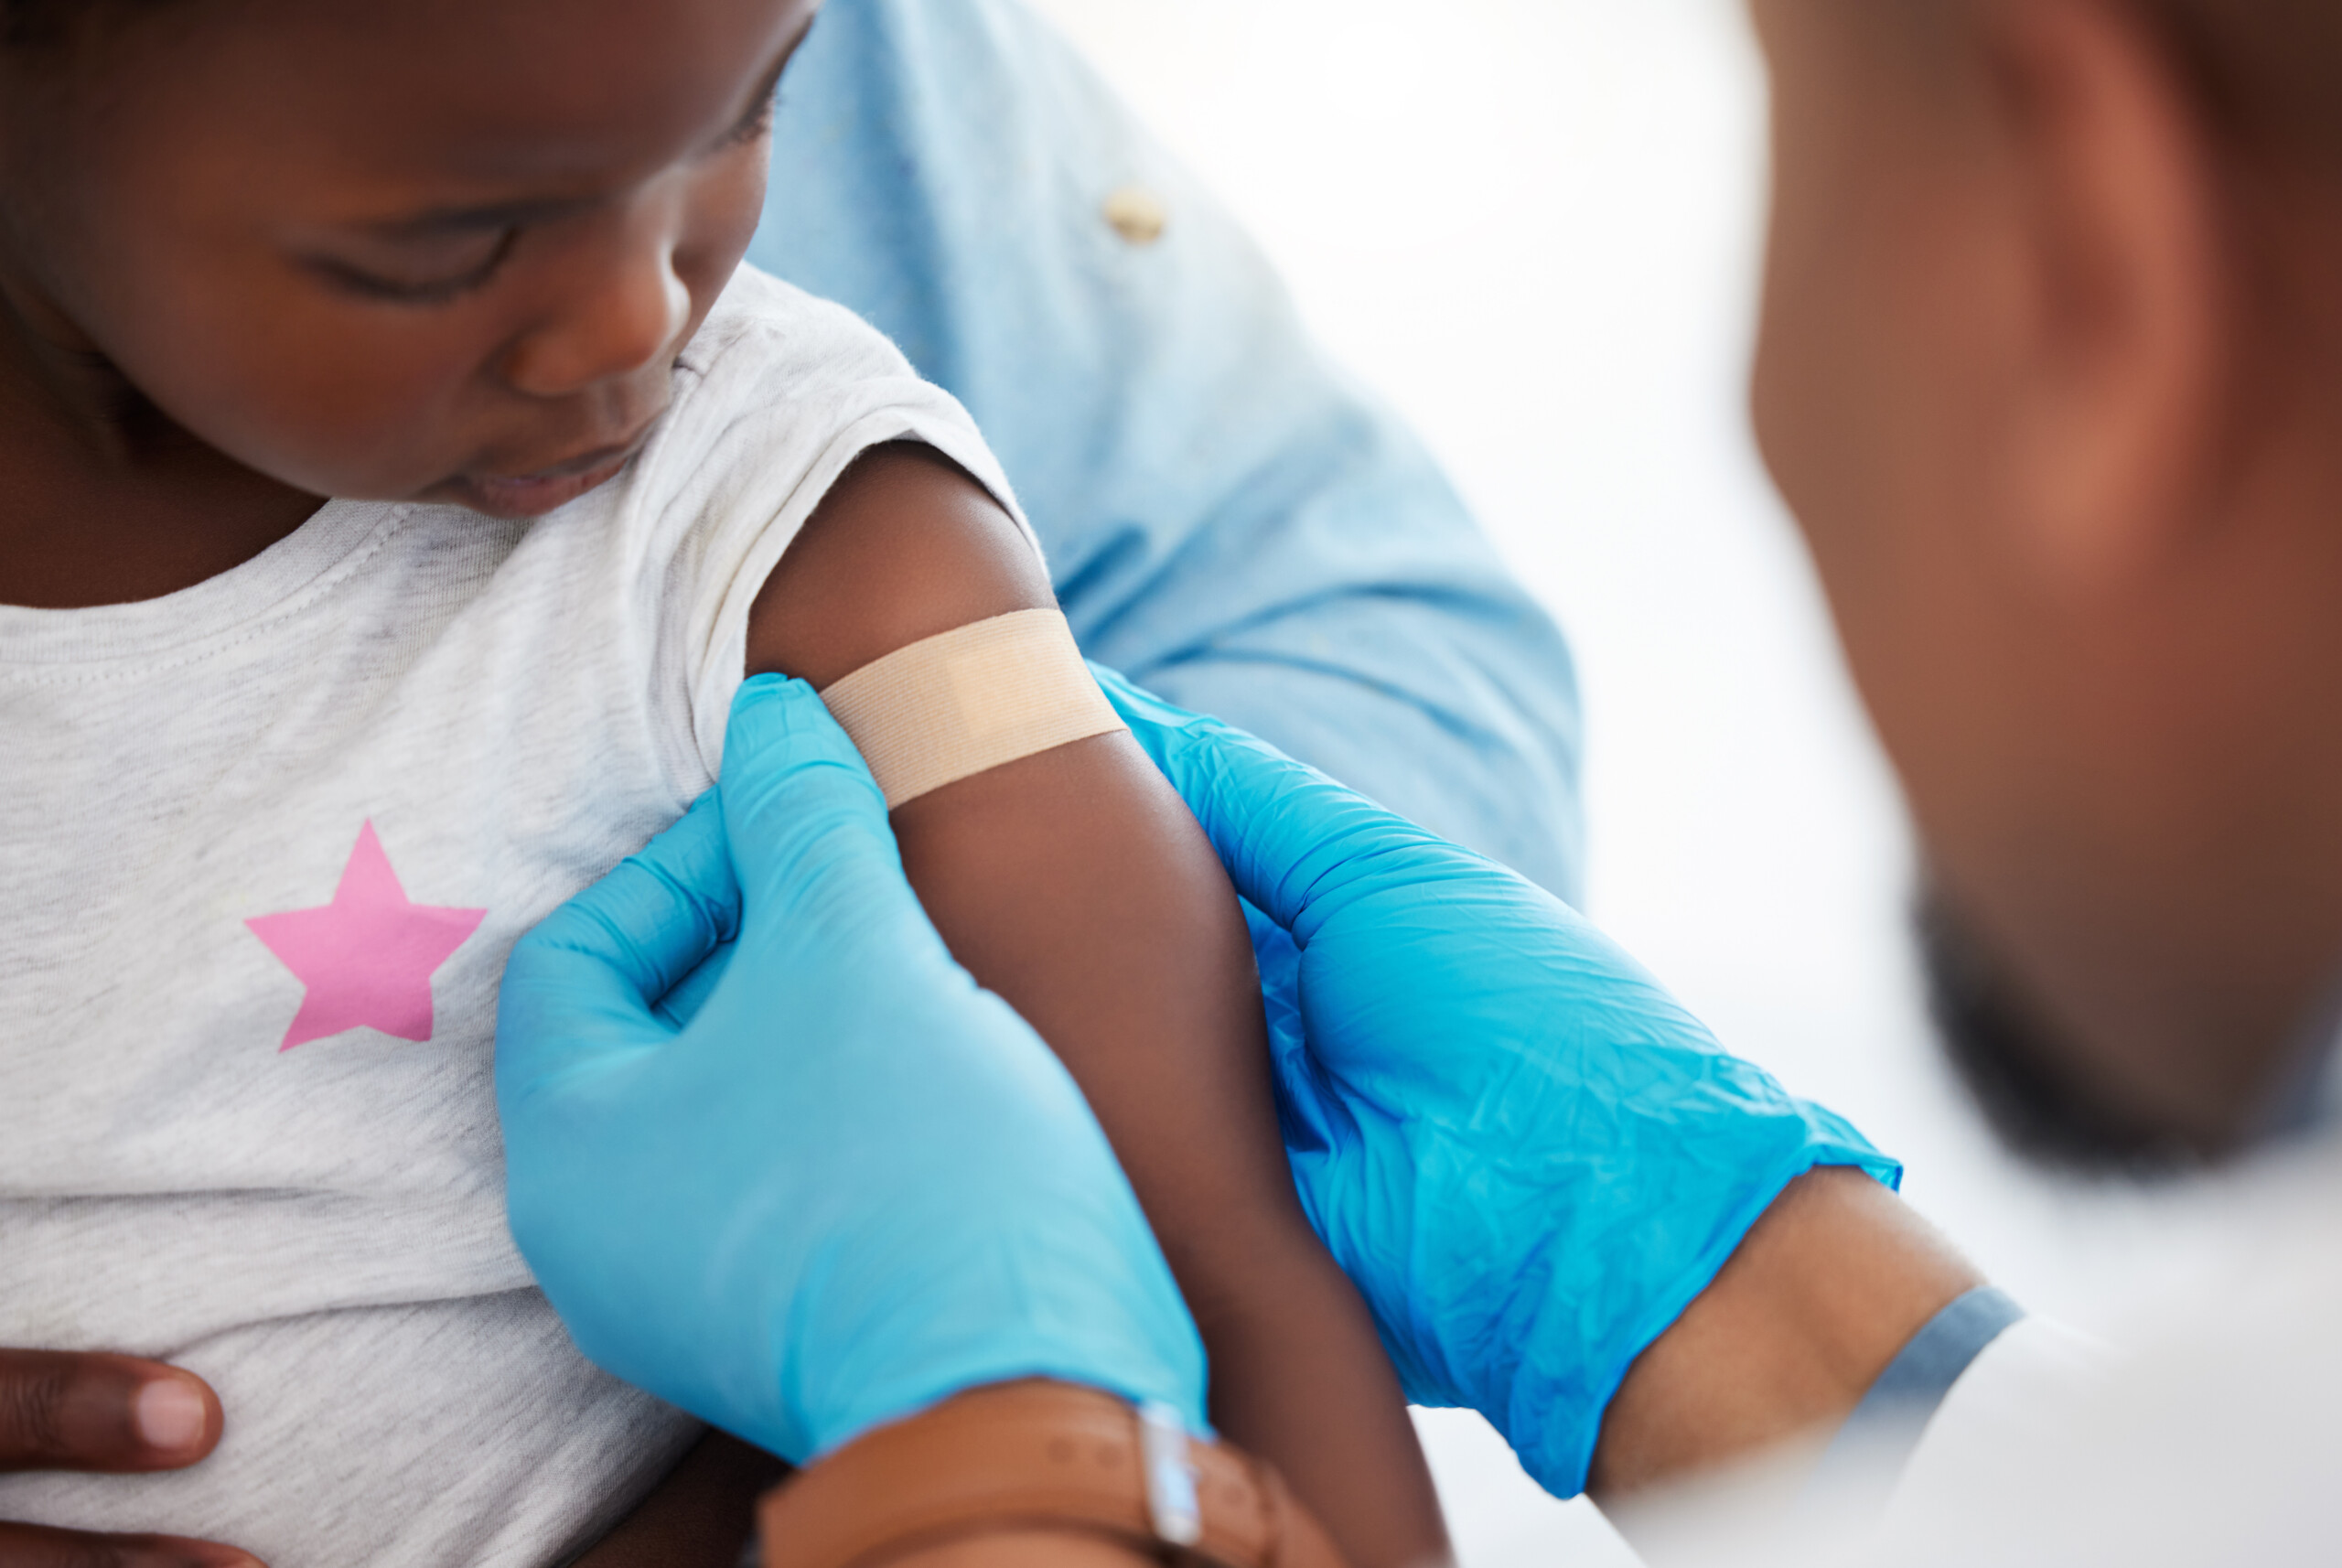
(2051, 375)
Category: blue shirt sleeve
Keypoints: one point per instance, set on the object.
(1230, 521)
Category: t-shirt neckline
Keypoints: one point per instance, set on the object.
(305, 561)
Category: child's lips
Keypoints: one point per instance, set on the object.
(533, 495)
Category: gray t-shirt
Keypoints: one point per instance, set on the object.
(266, 844)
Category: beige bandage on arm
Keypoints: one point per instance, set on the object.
(963, 704)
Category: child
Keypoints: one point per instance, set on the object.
(285, 776)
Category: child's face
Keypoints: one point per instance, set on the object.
(441, 248)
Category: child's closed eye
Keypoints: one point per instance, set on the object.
(758, 122)
(421, 272)
(443, 257)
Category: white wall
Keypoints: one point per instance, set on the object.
(1533, 224)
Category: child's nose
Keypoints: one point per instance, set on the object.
(631, 311)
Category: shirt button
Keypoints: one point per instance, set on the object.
(1137, 214)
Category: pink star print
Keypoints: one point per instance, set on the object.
(369, 956)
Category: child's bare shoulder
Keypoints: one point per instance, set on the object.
(810, 502)
(906, 545)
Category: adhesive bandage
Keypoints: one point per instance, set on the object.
(969, 701)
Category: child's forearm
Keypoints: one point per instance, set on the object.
(1076, 885)
(700, 1516)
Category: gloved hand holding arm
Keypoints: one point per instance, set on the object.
(1569, 1209)
(829, 1184)
(844, 1134)
(1526, 1156)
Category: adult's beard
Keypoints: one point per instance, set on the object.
(2021, 1072)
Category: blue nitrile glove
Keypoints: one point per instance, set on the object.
(1528, 1155)
(854, 1184)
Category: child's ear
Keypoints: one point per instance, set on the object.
(905, 546)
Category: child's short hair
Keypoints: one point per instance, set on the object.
(26, 24)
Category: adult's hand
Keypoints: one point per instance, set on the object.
(113, 1414)
(1526, 1153)
(830, 1182)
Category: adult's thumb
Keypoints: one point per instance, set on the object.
(807, 826)
(1294, 841)
(585, 980)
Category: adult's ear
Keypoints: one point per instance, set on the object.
(2119, 414)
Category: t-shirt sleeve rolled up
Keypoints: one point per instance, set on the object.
(777, 398)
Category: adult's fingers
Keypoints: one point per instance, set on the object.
(625, 941)
(1291, 839)
(71, 1412)
(809, 832)
(790, 769)
(681, 1005)
(35, 1546)
(585, 981)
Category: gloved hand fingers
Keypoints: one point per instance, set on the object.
(682, 1004)
(808, 832)
(590, 971)
(1309, 1113)
(658, 916)
(1293, 839)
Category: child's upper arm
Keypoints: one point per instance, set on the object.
(903, 547)
(1073, 881)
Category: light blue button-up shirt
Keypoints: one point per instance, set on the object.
(1231, 519)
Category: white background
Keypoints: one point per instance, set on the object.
(1533, 225)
